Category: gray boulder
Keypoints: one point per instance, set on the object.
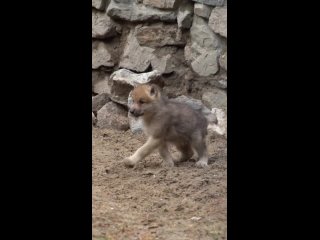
(141, 59)
(203, 50)
(114, 116)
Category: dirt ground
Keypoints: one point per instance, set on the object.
(152, 202)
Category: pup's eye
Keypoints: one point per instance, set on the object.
(141, 102)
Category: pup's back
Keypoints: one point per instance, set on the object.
(178, 121)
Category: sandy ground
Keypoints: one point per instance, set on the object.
(152, 202)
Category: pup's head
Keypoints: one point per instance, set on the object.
(143, 97)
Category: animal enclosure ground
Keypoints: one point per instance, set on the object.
(152, 202)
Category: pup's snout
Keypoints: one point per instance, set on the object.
(135, 112)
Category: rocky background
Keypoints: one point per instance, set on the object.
(180, 45)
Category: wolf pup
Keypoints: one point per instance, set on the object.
(168, 122)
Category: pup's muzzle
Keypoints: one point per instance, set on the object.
(135, 113)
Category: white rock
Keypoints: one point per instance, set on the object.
(221, 126)
(122, 81)
(135, 123)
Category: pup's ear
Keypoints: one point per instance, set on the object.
(154, 90)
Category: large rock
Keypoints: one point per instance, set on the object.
(168, 59)
(99, 101)
(218, 21)
(184, 16)
(211, 2)
(205, 64)
(159, 35)
(202, 10)
(202, 35)
(100, 82)
(102, 25)
(100, 55)
(203, 50)
(129, 10)
(135, 57)
(100, 4)
(215, 98)
(166, 4)
(165, 64)
(113, 116)
(121, 82)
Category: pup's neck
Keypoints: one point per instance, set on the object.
(156, 106)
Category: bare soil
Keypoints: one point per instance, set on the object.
(151, 202)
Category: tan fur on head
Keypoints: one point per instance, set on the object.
(142, 95)
(148, 92)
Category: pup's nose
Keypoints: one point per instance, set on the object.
(131, 111)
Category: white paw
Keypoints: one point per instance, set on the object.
(201, 164)
(129, 162)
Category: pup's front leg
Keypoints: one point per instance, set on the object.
(165, 154)
(142, 152)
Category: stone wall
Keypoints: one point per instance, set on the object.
(180, 44)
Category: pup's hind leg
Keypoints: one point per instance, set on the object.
(199, 144)
(142, 152)
(165, 154)
(186, 151)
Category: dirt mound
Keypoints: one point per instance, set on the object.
(151, 202)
